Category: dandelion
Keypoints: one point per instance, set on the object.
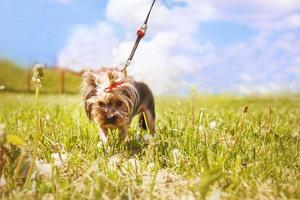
(213, 125)
(57, 147)
(2, 181)
(148, 137)
(114, 161)
(245, 109)
(47, 117)
(176, 155)
(133, 163)
(14, 140)
(150, 166)
(2, 134)
(99, 144)
(36, 79)
(38, 74)
(201, 129)
(48, 196)
(136, 137)
(59, 159)
(214, 195)
(2, 126)
(188, 196)
(44, 169)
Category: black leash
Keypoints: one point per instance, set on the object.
(140, 34)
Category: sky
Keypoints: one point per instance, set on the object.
(229, 46)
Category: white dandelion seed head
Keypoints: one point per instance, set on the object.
(201, 129)
(59, 159)
(150, 166)
(114, 161)
(148, 137)
(44, 169)
(213, 125)
(2, 127)
(47, 117)
(133, 163)
(136, 137)
(176, 155)
(2, 181)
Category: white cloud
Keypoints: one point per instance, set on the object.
(158, 64)
(163, 60)
(89, 46)
(268, 63)
(171, 56)
(254, 13)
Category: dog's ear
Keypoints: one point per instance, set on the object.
(88, 109)
(111, 77)
(88, 90)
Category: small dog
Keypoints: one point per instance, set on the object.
(112, 99)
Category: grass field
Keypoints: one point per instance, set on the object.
(207, 147)
(14, 78)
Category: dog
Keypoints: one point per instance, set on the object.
(112, 99)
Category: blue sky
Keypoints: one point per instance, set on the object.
(35, 30)
(230, 46)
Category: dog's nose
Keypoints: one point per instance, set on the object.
(111, 119)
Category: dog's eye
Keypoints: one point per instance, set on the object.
(101, 104)
(119, 103)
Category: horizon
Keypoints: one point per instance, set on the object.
(217, 47)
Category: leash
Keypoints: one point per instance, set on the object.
(140, 34)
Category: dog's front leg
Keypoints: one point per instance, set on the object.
(125, 133)
(103, 135)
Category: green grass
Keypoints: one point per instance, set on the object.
(205, 146)
(8, 73)
(16, 78)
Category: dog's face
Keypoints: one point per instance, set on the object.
(110, 112)
(109, 97)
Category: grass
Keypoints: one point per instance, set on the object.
(206, 147)
(9, 71)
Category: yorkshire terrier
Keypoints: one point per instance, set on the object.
(112, 99)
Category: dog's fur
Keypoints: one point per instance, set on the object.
(114, 107)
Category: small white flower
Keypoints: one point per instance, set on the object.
(2, 87)
(136, 137)
(2, 181)
(201, 129)
(59, 160)
(213, 125)
(150, 166)
(133, 163)
(44, 169)
(188, 196)
(114, 161)
(2, 126)
(176, 155)
(47, 117)
(148, 137)
(99, 144)
(103, 137)
(48, 196)
(214, 195)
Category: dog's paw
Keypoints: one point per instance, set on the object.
(127, 139)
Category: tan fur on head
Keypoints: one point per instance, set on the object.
(100, 104)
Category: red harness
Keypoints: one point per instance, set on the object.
(110, 88)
